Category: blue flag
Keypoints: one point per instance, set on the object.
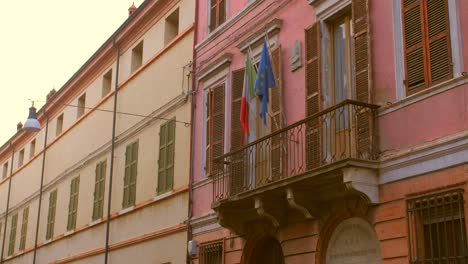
(265, 80)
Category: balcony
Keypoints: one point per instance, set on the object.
(293, 171)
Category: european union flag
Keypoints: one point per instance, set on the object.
(265, 80)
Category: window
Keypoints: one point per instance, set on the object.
(436, 227)
(51, 214)
(217, 13)
(171, 29)
(5, 170)
(211, 253)
(131, 162)
(73, 203)
(99, 184)
(59, 127)
(426, 38)
(137, 56)
(32, 148)
(166, 157)
(106, 83)
(20, 158)
(11, 245)
(81, 106)
(24, 228)
(215, 126)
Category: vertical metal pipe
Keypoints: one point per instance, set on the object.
(8, 200)
(41, 185)
(111, 173)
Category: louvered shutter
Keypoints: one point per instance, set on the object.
(133, 174)
(222, 12)
(414, 46)
(312, 43)
(278, 146)
(440, 57)
(362, 62)
(171, 135)
(102, 188)
(128, 154)
(11, 246)
(162, 158)
(97, 190)
(237, 134)
(217, 125)
(427, 43)
(24, 228)
(213, 15)
(362, 75)
(238, 137)
(209, 107)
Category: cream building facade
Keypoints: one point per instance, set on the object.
(149, 201)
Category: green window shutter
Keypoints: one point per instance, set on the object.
(73, 203)
(98, 203)
(51, 215)
(11, 246)
(166, 157)
(131, 158)
(162, 163)
(24, 228)
(170, 155)
(133, 174)
(128, 152)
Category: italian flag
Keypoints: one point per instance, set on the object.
(247, 93)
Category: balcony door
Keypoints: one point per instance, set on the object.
(338, 125)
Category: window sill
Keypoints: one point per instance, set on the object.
(424, 94)
(126, 210)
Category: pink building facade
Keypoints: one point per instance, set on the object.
(364, 155)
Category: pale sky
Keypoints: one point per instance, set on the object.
(43, 43)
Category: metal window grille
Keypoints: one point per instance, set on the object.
(212, 253)
(436, 228)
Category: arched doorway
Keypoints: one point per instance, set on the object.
(353, 242)
(267, 250)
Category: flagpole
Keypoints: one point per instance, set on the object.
(279, 87)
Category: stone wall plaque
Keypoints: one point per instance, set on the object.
(353, 242)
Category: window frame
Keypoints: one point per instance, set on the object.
(218, 22)
(208, 245)
(456, 47)
(420, 213)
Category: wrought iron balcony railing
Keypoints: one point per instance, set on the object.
(344, 131)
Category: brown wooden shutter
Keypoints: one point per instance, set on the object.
(414, 46)
(278, 147)
(213, 15)
(312, 43)
(362, 77)
(221, 12)
(217, 121)
(209, 107)
(438, 36)
(215, 128)
(427, 43)
(237, 134)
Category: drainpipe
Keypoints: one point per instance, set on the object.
(42, 183)
(8, 200)
(192, 121)
(111, 173)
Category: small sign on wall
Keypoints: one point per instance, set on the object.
(296, 56)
